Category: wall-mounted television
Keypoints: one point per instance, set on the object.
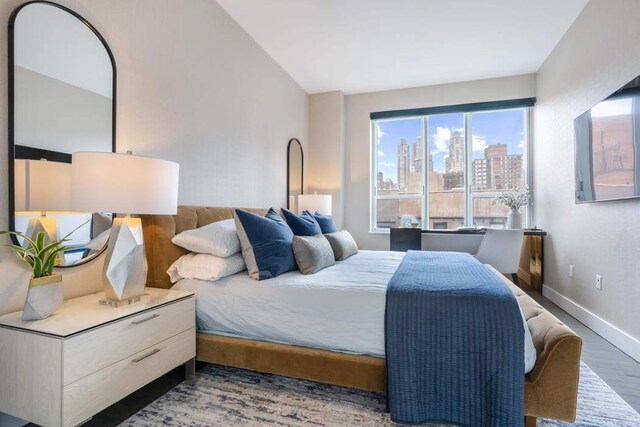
(607, 151)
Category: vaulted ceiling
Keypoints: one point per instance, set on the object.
(369, 45)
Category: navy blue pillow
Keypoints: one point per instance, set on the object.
(302, 225)
(266, 244)
(326, 223)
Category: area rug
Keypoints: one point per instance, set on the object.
(226, 396)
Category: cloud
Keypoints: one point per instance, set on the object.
(440, 140)
(387, 164)
(521, 145)
(442, 136)
(479, 143)
(379, 133)
(380, 153)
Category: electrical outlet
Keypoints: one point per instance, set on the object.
(571, 271)
(598, 282)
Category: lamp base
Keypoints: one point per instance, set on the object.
(121, 303)
(41, 224)
(125, 266)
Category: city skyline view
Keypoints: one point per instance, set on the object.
(489, 128)
(407, 167)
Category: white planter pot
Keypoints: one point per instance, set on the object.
(514, 219)
(43, 298)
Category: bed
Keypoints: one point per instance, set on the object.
(350, 358)
(305, 310)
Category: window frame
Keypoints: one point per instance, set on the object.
(467, 110)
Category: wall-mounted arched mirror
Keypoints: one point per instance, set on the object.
(62, 97)
(295, 172)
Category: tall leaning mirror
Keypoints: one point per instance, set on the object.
(295, 173)
(62, 98)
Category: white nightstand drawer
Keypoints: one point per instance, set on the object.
(92, 394)
(91, 351)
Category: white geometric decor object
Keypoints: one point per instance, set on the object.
(43, 297)
(39, 225)
(125, 267)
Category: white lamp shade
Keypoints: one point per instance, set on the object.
(42, 186)
(123, 183)
(320, 203)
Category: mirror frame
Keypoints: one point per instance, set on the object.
(291, 141)
(11, 116)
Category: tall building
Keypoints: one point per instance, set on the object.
(480, 174)
(495, 150)
(430, 163)
(382, 184)
(404, 165)
(455, 161)
(498, 170)
(416, 156)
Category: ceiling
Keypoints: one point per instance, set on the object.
(369, 45)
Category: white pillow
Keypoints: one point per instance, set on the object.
(98, 243)
(218, 238)
(205, 267)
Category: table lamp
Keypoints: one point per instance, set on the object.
(42, 186)
(313, 203)
(124, 184)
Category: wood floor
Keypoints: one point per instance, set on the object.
(620, 371)
(617, 369)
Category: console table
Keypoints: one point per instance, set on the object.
(530, 273)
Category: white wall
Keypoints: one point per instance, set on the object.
(358, 141)
(599, 54)
(326, 149)
(193, 87)
(53, 115)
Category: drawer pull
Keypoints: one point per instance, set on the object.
(153, 316)
(141, 358)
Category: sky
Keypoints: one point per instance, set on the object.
(495, 127)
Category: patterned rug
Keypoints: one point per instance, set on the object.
(226, 396)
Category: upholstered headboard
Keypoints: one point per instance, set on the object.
(160, 229)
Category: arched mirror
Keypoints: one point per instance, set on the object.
(295, 172)
(62, 98)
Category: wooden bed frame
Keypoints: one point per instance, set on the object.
(550, 389)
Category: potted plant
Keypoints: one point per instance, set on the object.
(45, 288)
(514, 200)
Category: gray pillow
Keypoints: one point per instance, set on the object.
(342, 244)
(313, 253)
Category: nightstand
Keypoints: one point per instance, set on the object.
(62, 370)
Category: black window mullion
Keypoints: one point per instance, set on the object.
(458, 108)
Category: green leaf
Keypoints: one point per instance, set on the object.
(17, 249)
(39, 255)
(40, 239)
(19, 234)
(37, 267)
(49, 264)
(50, 247)
(29, 261)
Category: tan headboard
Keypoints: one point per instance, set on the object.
(160, 229)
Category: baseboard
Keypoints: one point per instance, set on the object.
(617, 337)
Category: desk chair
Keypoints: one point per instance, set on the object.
(501, 250)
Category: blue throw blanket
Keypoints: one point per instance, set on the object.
(454, 343)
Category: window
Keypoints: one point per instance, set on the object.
(442, 168)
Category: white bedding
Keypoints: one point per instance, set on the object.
(340, 308)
